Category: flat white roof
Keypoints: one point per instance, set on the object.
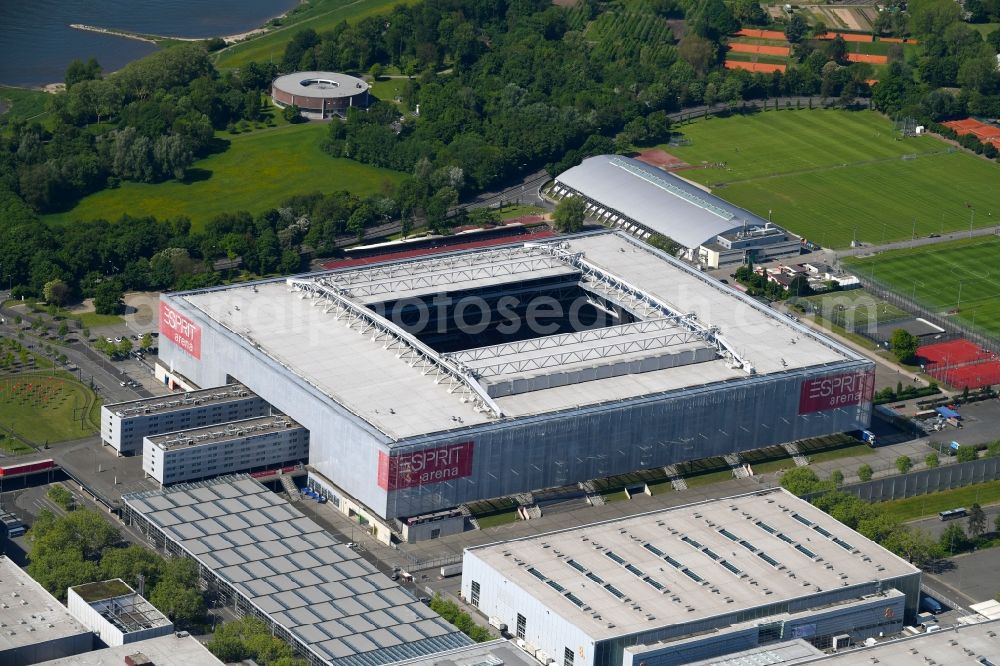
(28, 612)
(179, 401)
(691, 562)
(400, 399)
(169, 650)
(255, 427)
(321, 84)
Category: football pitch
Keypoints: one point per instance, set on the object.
(833, 176)
(956, 278)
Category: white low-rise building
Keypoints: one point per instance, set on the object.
(227, 448)
(125, 424)
(116, 612)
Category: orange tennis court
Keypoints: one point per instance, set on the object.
(761, 34)
(866, 57)
(847, 37)
(739, 47)
(764, 67)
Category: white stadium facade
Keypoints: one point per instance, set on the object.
(430, 383)
(628, 194)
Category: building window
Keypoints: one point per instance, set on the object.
(475, 593)
(436, 533)
(567, 657)
(520, 626)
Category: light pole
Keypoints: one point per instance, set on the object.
(972, 218)
(959, 306)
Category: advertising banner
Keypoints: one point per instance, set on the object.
(180, 330)
(845, 390)
(419, 468)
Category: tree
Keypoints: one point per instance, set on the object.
(108, 298)
(977, 521)
(145, 342)
(799, 286)
(292, 113)
(904, 464)
(931, 460)
(837, 477)
(58, 494)
(183, 605)
(916, 546)
(796, 29)
(570, 214)
(78, 71)
(966, 453)
(904, 345)
(800, 480)
(953, 539)
(130, 563)
(865, 472)
(993, 449)
(55, 292)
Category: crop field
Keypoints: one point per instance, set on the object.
(832, 175)
(320, 15)
(256, 172)
(955, 278)
(46, 407)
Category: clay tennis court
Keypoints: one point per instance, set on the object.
(960, 363)
(865, 57)
(739, 47)
(764, 67)
(661, 159)
(985, 132)
(898, 40)
(761, 34)
(952, 352)
(847, 37)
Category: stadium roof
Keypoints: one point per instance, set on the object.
(696, 561)
(656, 199)
(332, 602)
(406, 390)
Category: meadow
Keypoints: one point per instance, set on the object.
(833, 176)
(46, 408)
(954, 277)
(320, 15)
(22, 103)
(256, 172)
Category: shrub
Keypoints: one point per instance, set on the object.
(865, 472)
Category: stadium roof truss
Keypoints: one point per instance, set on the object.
(659, 327)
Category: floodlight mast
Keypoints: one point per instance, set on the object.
(455, 373)
(597, 274)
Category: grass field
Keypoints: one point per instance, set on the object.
(21, 102)
(388, 90)
(256, 172)
(921, 506)
(320, 15)
(833, 175)
(46, 407)
(953, 277)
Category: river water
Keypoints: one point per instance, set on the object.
(36, 42)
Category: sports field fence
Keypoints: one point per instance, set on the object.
(982, 337)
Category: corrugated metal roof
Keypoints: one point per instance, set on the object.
(656, 199)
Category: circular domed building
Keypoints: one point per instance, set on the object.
(319, 95)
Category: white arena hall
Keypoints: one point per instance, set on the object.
(432, 382)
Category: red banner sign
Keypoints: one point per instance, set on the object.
(420, 468)
(180, 330)
(846, 390)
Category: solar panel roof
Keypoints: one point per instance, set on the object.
(333, 602)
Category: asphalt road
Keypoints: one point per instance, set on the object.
(916, 242)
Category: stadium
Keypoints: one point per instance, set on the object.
(433, 382)
(319, 95)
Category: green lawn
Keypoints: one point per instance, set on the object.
(22, 102)
(388, 90)
(320, 15)
(497, 519)
(256, 172)
(833, 175)
(14, 447)
(94, 320)
(46, 407)
(938, 275)
(921, 506)
(985, 28)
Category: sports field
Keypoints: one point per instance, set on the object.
(833, 175)
(955, 277)
(854, 309)
(49, 407)
(320, 15)
(256, 172)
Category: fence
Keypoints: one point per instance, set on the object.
(924, 481)
(980, 336)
